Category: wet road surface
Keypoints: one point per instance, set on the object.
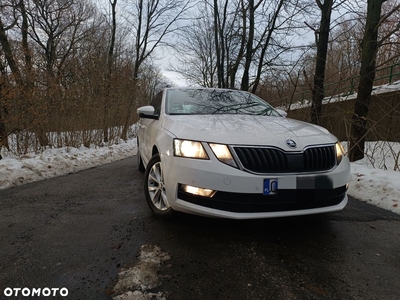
(93, 234)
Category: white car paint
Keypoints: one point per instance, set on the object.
(246, 130)
(157, 135)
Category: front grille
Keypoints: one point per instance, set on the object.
(273, 160)
(319, 158)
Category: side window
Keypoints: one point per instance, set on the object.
(156, 103)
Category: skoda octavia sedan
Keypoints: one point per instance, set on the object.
(227, 153)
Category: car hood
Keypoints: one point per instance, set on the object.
(246, 130)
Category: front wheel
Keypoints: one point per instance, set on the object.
(154, 188)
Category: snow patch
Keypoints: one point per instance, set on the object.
(135, 282)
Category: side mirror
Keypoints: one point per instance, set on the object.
(282, 112)
(147, 112)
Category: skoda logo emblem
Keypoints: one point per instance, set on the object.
(291, 144)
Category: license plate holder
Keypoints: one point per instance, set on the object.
(270, 186)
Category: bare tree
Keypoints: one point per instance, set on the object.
(196, 51)
(249, 43)
(369, 47)
(267, 37)
(212, 47)
(248, 37)
(57, 72)
(322, 39)
(244, 44)
(9, 11)
(9, 15)
(56, 27)
(110, 61)
(343, 59)
(389, 35)
(152, 22)
(3, 110)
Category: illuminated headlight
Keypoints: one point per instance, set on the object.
(197, 191)
(190, 149)
(223, 154)
(340, 152)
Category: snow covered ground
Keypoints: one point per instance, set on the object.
(373, 178)
(368, 182)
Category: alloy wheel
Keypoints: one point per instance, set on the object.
(156, 187)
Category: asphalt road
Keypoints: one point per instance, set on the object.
(78, 232)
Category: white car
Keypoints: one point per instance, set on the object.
(227, 153)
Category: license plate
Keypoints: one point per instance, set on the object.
(270, 186)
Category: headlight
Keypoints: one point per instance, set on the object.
(190, 149)
(223, 154)
(340, 152)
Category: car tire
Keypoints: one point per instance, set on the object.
(141, 167)
(154, 188)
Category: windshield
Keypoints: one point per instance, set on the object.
(209, 102)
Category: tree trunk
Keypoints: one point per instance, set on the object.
(369, 49)
(265, 47)
(110, 60)
(217, 45)
(3, 133)
(6, 47)
(318, 92)
(249, 49)
(25, 43)
(124, 133)
(131, 105)
(234, 66)
(41, 136)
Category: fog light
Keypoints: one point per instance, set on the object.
(198, 191)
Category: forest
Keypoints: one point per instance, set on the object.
(73, 72)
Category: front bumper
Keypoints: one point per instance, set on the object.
(240, 194)
(284, 200)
